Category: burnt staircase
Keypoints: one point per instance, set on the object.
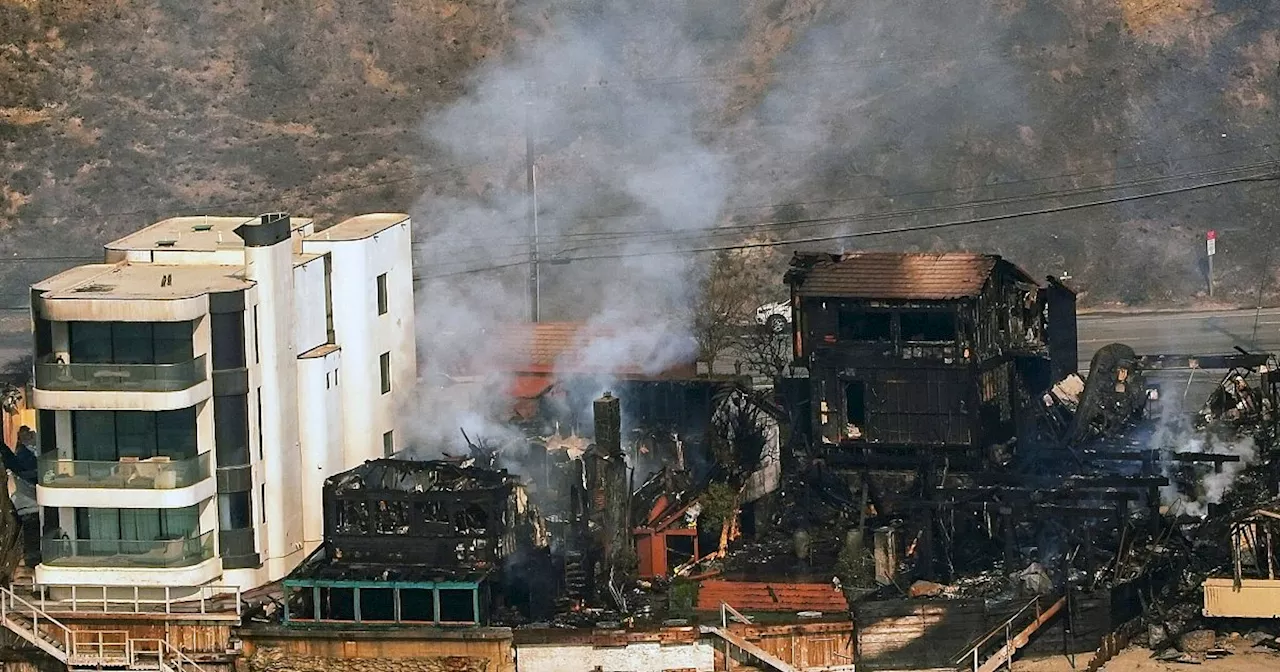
(997, 648)
(88, 649)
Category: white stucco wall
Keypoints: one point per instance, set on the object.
(364, 335)
(309, 300)
(272, 268)
(638, 657)
(320, 421)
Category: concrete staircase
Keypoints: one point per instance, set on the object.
(88, 649)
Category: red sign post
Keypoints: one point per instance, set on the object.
(1211, 246)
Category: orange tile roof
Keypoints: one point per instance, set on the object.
(752, 596)
(895, 275)
(554, 347)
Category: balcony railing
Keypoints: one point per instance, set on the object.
(155, 473)
(116, 553)
(85, 377)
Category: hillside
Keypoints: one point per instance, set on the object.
(692, 113)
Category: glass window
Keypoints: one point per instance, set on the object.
(235, 510)
(928, 326)
(384, 367)
(131, 343)
(137, 524)
(110, 435)
(231, 430)
(93, 435)
(255, 335)
(176, 433)
(382, 294)
(172, 342)
(388, 444)
(227, 332)
(865, 326)
(135, 434)
(90, 342)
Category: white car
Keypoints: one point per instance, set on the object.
(776, 317)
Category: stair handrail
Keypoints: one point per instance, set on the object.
(972, 651)
(7, 601)
(726, 611)
(163, 651)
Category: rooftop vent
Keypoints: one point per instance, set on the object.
(166, 243)
(202, 227)
(95, 287)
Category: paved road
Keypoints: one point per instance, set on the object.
(1185, 334)
(1181, 333)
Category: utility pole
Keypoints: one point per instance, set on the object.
(531, 195)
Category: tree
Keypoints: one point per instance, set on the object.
(765, 352)
(725, 303)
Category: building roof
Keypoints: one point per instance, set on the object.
(771, 596)
(895, 275)
(142, 281)
(418, 476)
(360, 226)
(318, 567)
(579, 348)
(194, 234)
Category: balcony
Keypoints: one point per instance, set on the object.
(98, 377)
(99, 386)
(121, 554)
(155, 482)
(156, 473)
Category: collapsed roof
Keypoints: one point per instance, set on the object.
(418, 476)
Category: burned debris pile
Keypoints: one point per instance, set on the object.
(935, 452)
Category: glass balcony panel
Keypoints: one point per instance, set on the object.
(117, 553)
(156, 473)
(82, 377)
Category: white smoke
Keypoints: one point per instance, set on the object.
(1175, 434)
(634, 157)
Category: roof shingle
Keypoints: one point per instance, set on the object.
(894, 275)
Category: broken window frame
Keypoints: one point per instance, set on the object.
(317, 588)
(846, 332)
(948, 335)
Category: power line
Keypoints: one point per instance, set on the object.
(610, 239)
(888, 231)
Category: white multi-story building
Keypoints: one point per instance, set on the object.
(195, 390)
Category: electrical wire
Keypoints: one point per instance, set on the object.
(888, 231)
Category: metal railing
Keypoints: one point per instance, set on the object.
(165, 655)
(973, 656)
(60, 643)
(211, 599)
(156, 473)
(105, 377)
(98, 646)
(126, 553)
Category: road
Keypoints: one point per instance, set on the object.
(1183, 333)
(1180, 333)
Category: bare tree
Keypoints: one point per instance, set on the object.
(725, 304)
(766, 352)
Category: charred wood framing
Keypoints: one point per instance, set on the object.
(922, 350)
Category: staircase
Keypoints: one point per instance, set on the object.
(96, 649)
(1016, 631)
(727, 613)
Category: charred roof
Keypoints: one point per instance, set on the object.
(418, 476)
(897, 275)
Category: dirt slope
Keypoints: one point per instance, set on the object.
(115, 113)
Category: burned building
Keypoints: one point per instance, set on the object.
(415, 542)
(907, 351)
